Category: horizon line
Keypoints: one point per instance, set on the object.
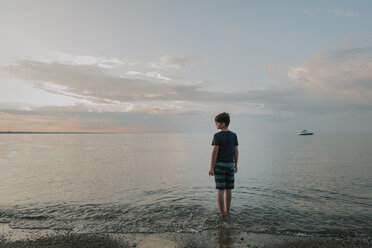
(5, 132)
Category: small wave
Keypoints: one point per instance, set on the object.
(156, 218)
(38, 217)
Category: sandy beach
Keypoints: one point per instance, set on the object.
(222, 237)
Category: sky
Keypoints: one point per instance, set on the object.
(172, 66)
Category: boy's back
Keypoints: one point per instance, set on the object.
(226, 142)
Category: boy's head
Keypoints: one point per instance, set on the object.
(222, 120)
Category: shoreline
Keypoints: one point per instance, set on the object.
(221, 237)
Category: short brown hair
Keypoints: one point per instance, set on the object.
(223, 117)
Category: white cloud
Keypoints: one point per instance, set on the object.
(334, 12)
(154, 74)
(151, 74)
(159, 77)
(134, 73)
(174, 62)
(339, 12)
(69, 59)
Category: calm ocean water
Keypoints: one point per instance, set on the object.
(90, 183)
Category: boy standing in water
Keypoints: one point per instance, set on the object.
(224, 162)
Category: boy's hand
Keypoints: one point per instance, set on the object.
(211, 172)
(235, 169)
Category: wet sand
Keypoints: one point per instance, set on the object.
(222, 237)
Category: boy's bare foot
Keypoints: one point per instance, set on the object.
(226, 216)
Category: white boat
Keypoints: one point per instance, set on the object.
(305, 132)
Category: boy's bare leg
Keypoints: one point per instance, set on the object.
(227, 200)
(220, 201)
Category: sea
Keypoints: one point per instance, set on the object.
(319, 185)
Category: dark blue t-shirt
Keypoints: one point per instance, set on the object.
(226, 140)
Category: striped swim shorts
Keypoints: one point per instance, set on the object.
(224, 175)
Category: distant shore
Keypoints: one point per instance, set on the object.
(222, 237)
(22, 132)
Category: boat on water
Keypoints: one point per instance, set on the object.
(305, 132)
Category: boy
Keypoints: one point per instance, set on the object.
(224, 162)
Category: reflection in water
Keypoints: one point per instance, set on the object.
(224, 237)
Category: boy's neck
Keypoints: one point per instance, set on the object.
(224, 129)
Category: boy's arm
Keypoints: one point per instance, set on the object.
(236, 156)
(213, 159)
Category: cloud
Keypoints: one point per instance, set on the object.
(277, 70)
(134, 73)
(151, 74)
(154, 74)
(339, 12)
(334, 12)
(157, 77)
(174, 62)
(69, 59)
(328, 82)
(90, 82)
(341, 76)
